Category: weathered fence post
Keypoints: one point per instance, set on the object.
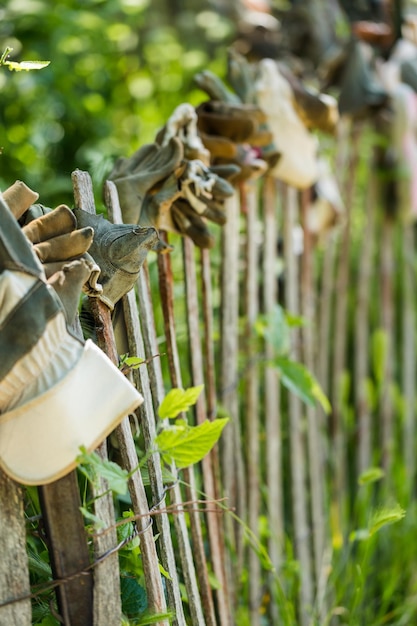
(14, 567)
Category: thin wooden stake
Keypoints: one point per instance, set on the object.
(297, 443)
(362, 330)
(408, 352)
(252, 425)
(317, 478)
(167, 301)
(272, 392)
(135, 347)
(228, 391)
(105, 338)
(387, 319)
(197, 370)
(158, 393)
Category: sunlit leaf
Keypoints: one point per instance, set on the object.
(371, 475)
(97, 522)
(385, 516)
(178, 400)
(186, 445)
(26, 65)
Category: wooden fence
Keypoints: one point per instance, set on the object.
(283, 471)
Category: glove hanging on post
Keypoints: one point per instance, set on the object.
(142, 172)
(56, 393)
(120, 251)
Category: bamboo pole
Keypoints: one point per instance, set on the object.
(167, 301)
(207, 464)
(297, 442)
(274, 473)
(158, 393)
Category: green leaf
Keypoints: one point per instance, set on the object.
(97, 521)
(297, 378)
(384, 516)
(178, 400)
(38, 566)
(379, 354)
(26, 65)
(134, 598)
(371, 475)
(185, 444)
(90, 462)
(275, 330)
(132, 362)
(167, 476)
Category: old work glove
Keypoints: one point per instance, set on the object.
(119, 250)
(317, 111)
(57, 393)
(199, 194)
(182, 124)
(59, 244)
(297, 165)
(361, 94)
(234, 132)
(142, 172)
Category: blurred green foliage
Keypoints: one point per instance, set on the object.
(118, 69)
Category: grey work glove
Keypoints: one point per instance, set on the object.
(143, 172)
(56, 393)
(120, 251)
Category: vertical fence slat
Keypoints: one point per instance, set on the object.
(158, 393)
(409, 351)
(228, 374)
(167, 301)
(207, 464)
(340, 334)
(362, 322)
(106, 596)
(14, 567)
(387, 323)
(272, 392)
(147, 423)
(251, 414)
(297, 443)
(316, 467)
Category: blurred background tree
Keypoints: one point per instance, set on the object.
(118, 69)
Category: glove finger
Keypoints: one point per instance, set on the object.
(191, 225)
(236, 129)
(53, 224)
(68, 283)
(227, 171)
(19, 197)
(204, 207)
(65, 247)
(214, 87)
(125, 166)
(219, 146)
